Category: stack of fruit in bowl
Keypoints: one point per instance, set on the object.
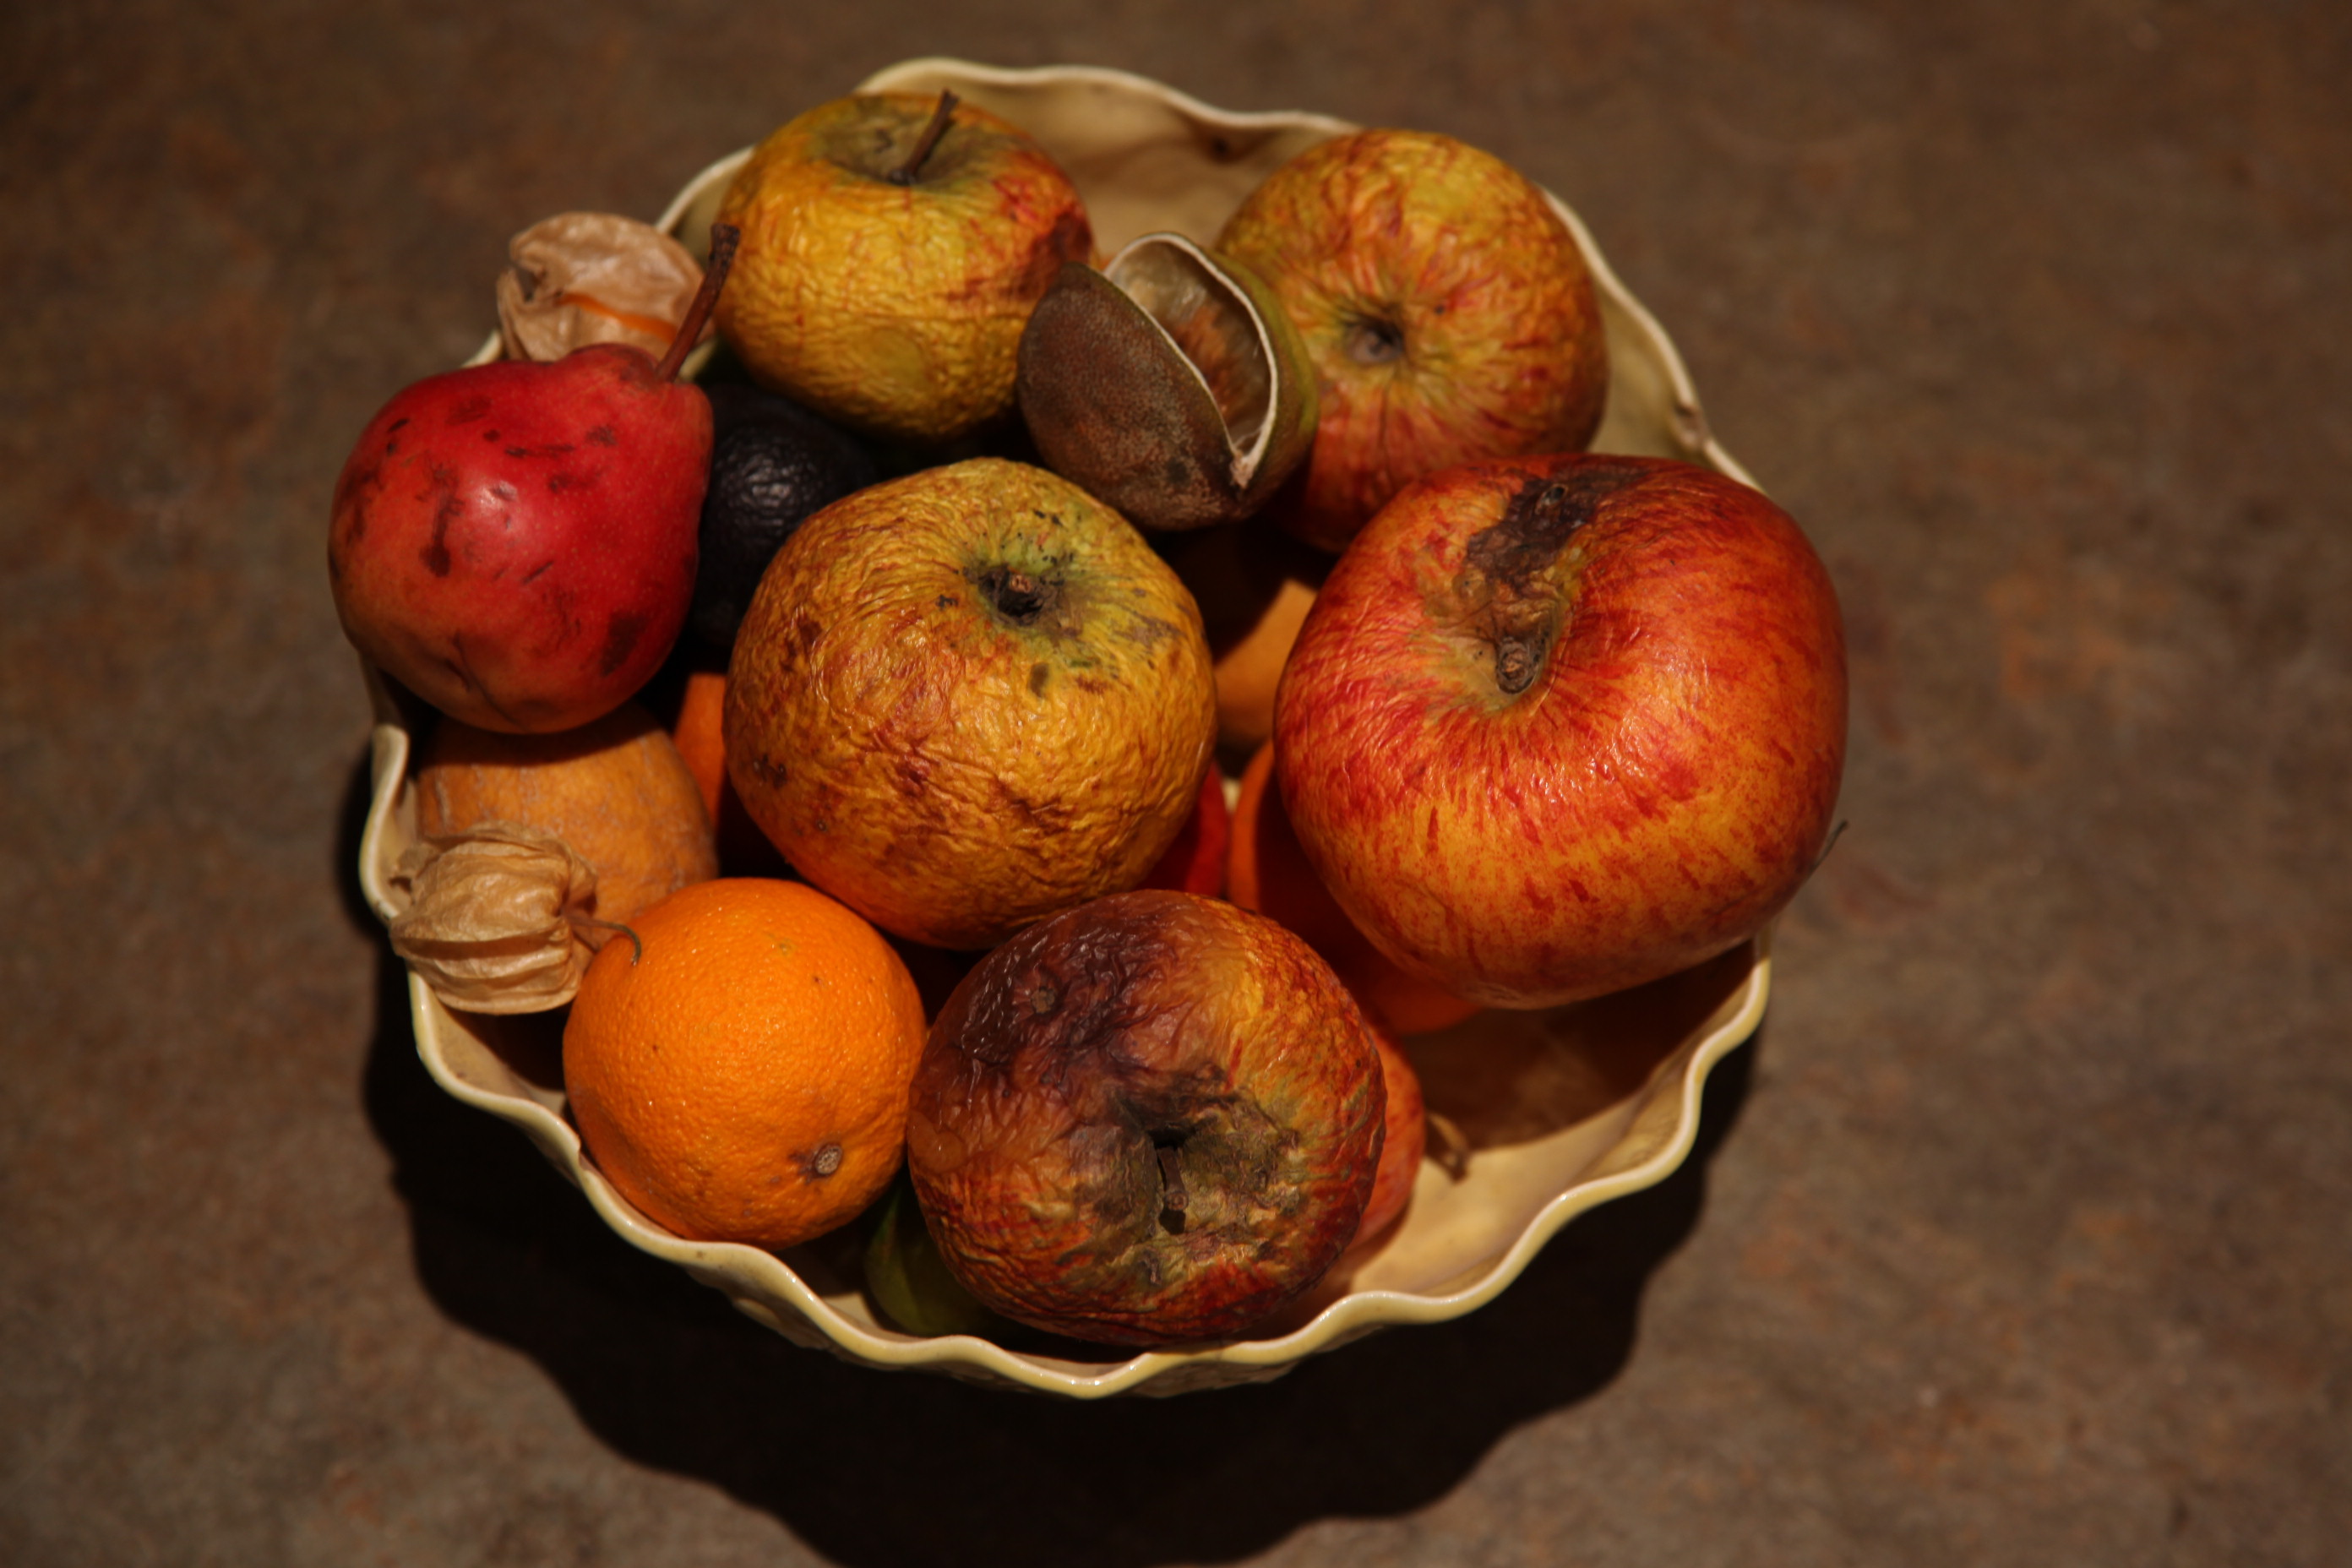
(935, 607)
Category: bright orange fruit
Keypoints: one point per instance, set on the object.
(740, 1073)
(743, 850)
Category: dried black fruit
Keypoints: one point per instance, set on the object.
(773, 464)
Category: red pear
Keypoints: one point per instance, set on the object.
(516, 541)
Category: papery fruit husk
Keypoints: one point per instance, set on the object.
(491, 924)
(578, 278)
(1171, 384)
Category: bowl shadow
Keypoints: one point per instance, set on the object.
(882, 1470)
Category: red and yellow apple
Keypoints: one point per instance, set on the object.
(1447, 306)
(1557, 726)
(1269, 872)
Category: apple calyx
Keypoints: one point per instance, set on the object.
(906, 173)
(724, 238)
(1019, 596)
(1374, 340)
(1508, 570)
(1173, 1198)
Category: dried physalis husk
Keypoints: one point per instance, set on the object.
(1171, 384)
(493, 918)
(593, 278)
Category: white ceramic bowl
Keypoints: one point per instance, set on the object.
(1561, 1110)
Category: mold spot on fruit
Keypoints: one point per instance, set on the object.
(468, 410)
(1507, 568)
(603, 435)
(823, 1162)
(1039, 674)
(1537, 522)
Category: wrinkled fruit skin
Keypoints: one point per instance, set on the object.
(515, 543)
(1447, 309)
(950, 759)
(1065, 1062)
(1407, 1137)
(1659, 784)
(895, 308)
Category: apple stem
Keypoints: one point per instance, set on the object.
(724, 236)
(904, 175)
(1172, 1177)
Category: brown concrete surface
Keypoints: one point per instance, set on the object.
(2018, 1237)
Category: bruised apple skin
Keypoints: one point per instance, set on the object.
(1559, 726)
(968, 698)
(1149, 1121)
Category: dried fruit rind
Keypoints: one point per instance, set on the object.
(1170, 383)
(593, 278)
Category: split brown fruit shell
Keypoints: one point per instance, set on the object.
(1171, 384)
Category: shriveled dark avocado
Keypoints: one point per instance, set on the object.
(773, 463)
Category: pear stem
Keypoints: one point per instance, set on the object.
(723, 240)
(904, 175)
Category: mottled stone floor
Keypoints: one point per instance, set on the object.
(2017, 1236)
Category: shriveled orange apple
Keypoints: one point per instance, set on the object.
(965, 700)
(893, 247)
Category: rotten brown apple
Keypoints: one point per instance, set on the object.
(1151, 1119)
